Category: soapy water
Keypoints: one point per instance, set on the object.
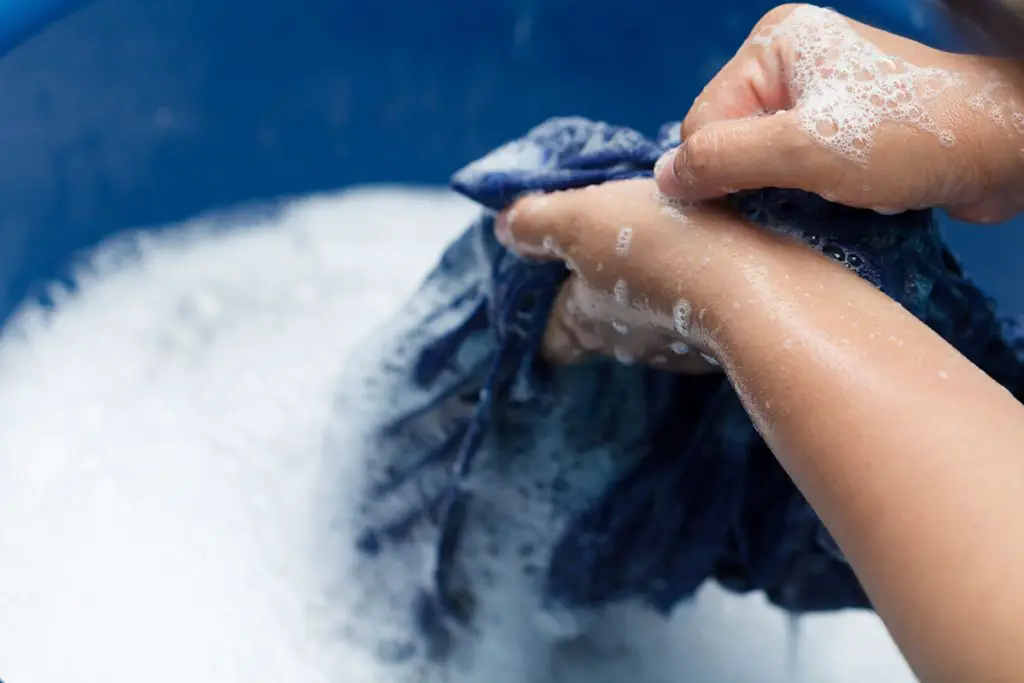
(168, 511)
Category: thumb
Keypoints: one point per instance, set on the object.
(745, 154)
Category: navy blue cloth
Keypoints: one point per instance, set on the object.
(672, 485)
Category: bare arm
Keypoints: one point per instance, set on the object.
(912, 457)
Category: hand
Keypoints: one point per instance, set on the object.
(653, 282)
(819, 102)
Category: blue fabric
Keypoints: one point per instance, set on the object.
(616, 482)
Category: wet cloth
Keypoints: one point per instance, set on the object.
(605, 482)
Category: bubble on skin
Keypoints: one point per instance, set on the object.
(621, 293)
(710, 360)
(624, 240)
(846, 87)
(623, 356)
(943, 374)
(996, 100)
(595, 304)
(674, 214)
(679, 348)
(547, 247)
(1018, 122)
(672, 207)
(681, 317)
(620, 327)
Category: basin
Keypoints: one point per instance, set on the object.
(124, 115)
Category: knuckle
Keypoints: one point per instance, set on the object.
(698, 115)
(798, 155)
(696, 158)
(527, 218)
(548, 220)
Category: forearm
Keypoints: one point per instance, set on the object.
(912, 457)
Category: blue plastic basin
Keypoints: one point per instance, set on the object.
(122, 113)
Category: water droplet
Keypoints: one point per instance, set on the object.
(679, 348)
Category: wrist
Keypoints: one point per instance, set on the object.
(778, 290)
(726, 292)
(993, 102)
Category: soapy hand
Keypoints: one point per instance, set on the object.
(653, 281)
(819, 102)
(624, 247)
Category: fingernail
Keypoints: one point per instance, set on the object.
(503, 228)
(665, 173)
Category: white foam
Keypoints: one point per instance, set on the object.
(679, 348)
(623, 356)
(624, 240)
(621, 292)
(167, 513)
(673, 208)
(997, 99)
(681, 317)
(845, 87)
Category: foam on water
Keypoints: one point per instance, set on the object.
(168, 512)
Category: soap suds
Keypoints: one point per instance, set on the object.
(845, 87)
(679, 348)
(623, 242)
(681, 317)
(621, 292)
(168, 513)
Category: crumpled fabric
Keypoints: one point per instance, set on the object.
(606, 483)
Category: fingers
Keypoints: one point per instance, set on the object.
(632, 257)
(752, 83)
(618, 232)
(746, 154)
(543, 227)
(590, 228)
(569, 338)
(573, 337)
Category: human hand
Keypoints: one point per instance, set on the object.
(652, 282)
(819, 102)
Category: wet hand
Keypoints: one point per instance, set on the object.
(819, 102)
(652, 282)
